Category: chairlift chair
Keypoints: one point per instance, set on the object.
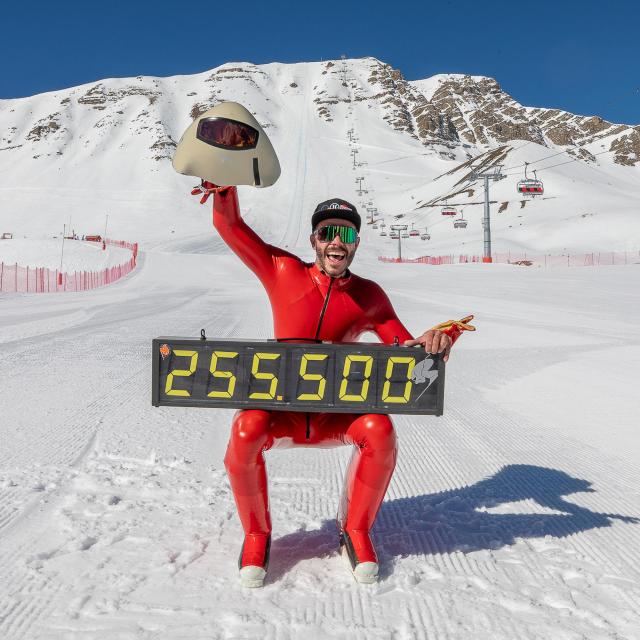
(383, 233)
(448, 211)
(530, 187)
(405, 234)
(460, 223)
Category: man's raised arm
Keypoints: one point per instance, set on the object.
(241, 239)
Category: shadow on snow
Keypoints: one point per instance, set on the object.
(456, 520)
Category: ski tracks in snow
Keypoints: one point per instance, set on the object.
(493, 527)
(483, 534)
(61, 439)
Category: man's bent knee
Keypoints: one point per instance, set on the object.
(376, 430)
(251, 426)
(250, 434)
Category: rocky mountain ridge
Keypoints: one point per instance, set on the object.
(453, 113)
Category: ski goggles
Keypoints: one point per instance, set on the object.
(348, 235)
(227, 134)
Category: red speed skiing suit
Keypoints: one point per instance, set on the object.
(309, 305)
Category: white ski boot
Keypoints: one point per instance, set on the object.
(254, 560)
(252, 577)
(365, 572)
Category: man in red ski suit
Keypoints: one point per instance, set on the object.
(311, 302)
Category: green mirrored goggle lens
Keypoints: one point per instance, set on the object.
(348, 235)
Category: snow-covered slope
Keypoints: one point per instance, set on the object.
(105, 148)
(514, 515)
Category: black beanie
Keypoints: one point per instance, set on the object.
(335, 208)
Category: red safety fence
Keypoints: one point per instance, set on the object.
(17, 279)
(594, 259)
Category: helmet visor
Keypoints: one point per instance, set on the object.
(227, 134)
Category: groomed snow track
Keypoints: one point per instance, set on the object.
(116, 519)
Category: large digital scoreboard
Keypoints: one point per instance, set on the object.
(286, 376)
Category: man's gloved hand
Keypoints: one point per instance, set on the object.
(440, 339)
(206, 188)
(461, 325)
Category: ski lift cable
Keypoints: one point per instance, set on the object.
(558, 164)
(634, 90)
(517, 166)
(475, 201)
(580, 146)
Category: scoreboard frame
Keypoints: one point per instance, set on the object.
(274, 375)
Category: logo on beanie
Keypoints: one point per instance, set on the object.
(337, 205)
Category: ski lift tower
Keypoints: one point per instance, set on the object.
(399, 228)
(492, 174)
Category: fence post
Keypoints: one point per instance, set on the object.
(1, 274)
(16, 277)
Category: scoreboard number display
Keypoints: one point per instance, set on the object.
(285, 376)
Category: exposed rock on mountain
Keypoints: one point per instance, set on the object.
(456, 116)
(481, 113)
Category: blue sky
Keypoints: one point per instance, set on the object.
(580, 56)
